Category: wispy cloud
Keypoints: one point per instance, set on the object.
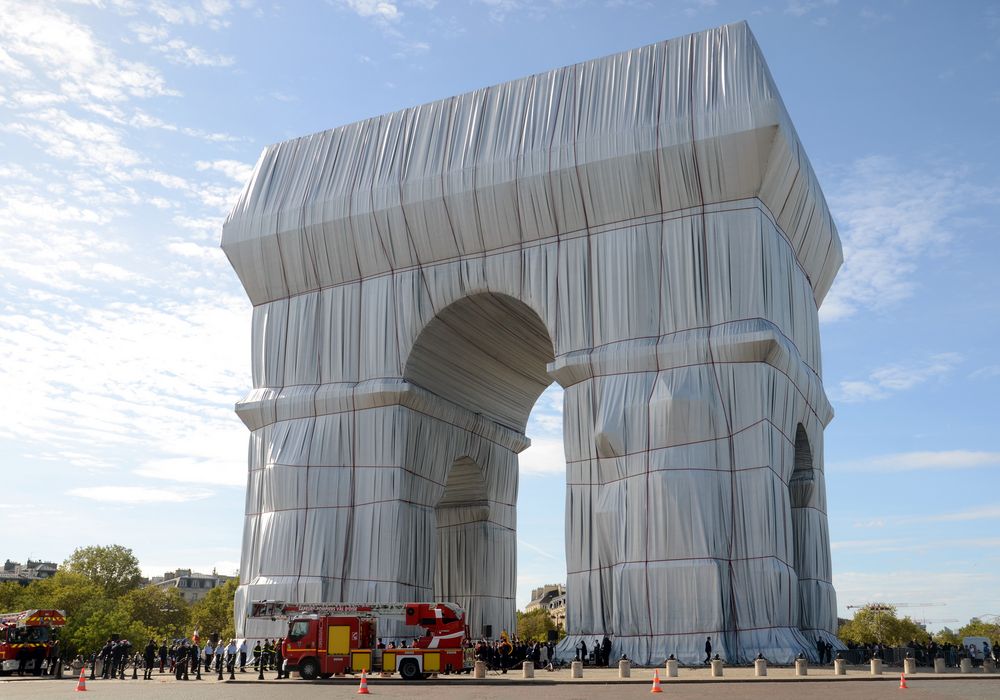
(137, 495)
(971, 514)
(545, 456)
(889, 379)
(943, 460)
(38, 39)
(537, 550)
(801, 8)
(382, 11)
(890, 218)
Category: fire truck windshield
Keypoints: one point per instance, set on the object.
(298, 629)
(23, 635)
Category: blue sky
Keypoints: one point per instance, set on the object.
(127, 129)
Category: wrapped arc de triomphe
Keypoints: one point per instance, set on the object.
(644, 229)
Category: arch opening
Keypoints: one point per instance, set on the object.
(487, 353)
(800, 492)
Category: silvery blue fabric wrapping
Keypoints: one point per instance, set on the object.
(644, 229)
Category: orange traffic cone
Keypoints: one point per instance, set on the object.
(363, 688)
(902, 681)
(82, 684)
(656, 682)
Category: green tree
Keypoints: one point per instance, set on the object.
(947, 636)
(877, 622)
(114, 568)
(12, 597)
(534, 625)
(214, 612)
(980, 628)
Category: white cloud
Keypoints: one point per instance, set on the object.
(211, 13)
(233, 169)
(942, 460)
(537, 550)
(136, 495)
(545, 456)
(179, 51)
(971, 514)
(884, 381)
(889, 219)
(379, 10)
(39, 41)
(987, 372)
(801, 8)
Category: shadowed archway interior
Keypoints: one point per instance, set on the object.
(487, 353)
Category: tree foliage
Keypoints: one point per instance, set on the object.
(980, 628)
(214, 612)
(534, 625)
(877, 623)
(114, 568)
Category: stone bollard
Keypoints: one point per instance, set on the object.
(671, 667)
(965, 666)
(624, 668)
(717, 667)
(939, 665)
(479, 670)
(989, 666)
(760, 667)
(576, 669)
(801, 666)
(528, 669)
(840, 667)
(909, 665)
(876, 667)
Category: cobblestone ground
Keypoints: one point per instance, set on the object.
(737, 683)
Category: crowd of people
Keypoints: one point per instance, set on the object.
(510, 652)
(182, 658)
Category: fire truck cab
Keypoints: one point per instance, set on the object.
(326, 639)
(28, 635)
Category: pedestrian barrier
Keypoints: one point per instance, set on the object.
(717, 667)
(801, 666)
(760, 666)
(672, 667)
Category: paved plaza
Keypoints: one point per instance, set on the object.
(780, 684)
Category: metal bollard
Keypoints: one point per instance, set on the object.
(801, 666)
(528, 669)
(717, 667)
(624, 668)
(839, 667)
(876, 667)
(760, 667)
(672, 667)
(576, 669)
(939, 664)
(909, 665)
(479, 670)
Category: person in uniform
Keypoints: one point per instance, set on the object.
(148, 659)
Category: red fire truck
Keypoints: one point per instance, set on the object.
(333, 638)
(27, 635)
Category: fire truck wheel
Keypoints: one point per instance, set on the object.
(409, 669)
(309, 669)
